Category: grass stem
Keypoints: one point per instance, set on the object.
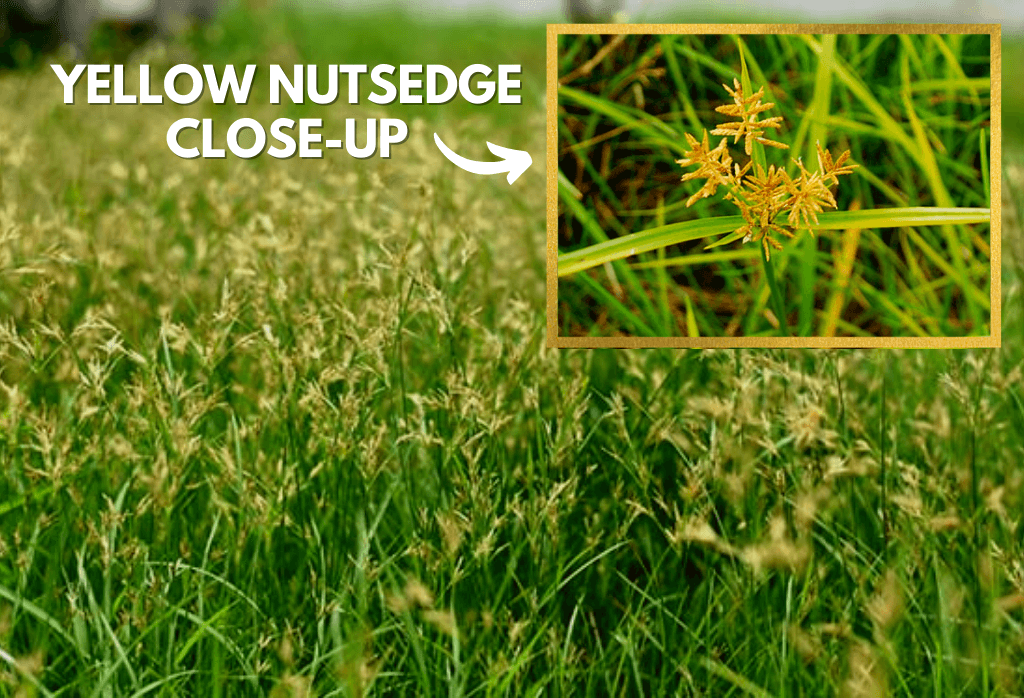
(777, 299)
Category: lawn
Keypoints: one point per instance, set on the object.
(290, 428)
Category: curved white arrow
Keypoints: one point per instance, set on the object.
(515, 162)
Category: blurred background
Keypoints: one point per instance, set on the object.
(30, 29)
(996, 11)
(49, 22)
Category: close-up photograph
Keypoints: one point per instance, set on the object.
(784, 184)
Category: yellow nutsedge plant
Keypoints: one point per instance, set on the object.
(762, 195)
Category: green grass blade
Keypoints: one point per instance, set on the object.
(691, 259)
(983, 151)
(940, 84)
(692, 329)
(617, 307)
(889, 126)
(647, 240)
(757, 151)
(586, 219)
(815, 117)
(645, 125)
(682, 91)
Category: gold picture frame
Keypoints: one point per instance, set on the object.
(555, 340)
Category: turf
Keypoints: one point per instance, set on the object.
(289, 428)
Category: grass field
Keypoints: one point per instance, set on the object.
(290, 428)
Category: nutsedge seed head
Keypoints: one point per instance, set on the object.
(762, 196)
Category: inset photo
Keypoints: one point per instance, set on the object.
(773, 185)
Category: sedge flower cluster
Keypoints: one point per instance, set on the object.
(761, 195)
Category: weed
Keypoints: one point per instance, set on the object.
(763, 195)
